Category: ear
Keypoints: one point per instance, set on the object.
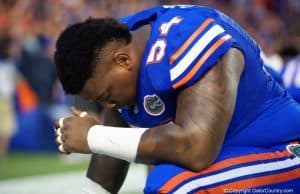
(123, 59)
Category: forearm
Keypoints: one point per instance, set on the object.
(172, 144)
(203, 114)
(108, 172)
(166, 143)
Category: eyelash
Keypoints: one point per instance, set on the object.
(106, 97)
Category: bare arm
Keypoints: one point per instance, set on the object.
(107, 171)
(204, 111)
(193, 141)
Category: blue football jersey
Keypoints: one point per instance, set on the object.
(291, 77)
(184, 43)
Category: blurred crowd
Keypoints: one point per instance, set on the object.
(30, 95)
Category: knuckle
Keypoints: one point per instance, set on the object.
(56, 125)
(68, 122)
(64, 139)
(63, 129)
(67, 148)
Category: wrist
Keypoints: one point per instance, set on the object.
(117, 142)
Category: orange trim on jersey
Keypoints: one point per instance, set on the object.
(190, 40)
(176, 180)
(254, 182)
(207, 54)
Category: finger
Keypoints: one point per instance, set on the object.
(83, 114)
(63, 138)
(61, 148)
(59, 140)
(75, 111)
(56, 125)
(61, 122)
(58, 132)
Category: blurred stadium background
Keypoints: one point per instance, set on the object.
(31, 98)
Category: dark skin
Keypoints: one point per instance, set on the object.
(203, 113)
(107, 171)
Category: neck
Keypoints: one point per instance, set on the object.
(140, 39)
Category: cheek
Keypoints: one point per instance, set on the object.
(123, 85)
(126, 89)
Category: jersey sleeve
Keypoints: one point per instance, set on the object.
(202, 49)
(190, 53)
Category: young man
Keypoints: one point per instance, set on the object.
(193, 88)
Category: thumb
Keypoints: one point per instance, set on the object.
(76, 112)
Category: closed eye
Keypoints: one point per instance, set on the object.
(101, 97)
(104, 97)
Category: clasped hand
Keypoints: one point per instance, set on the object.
(71, 132)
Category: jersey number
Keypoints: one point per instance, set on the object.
(157, 51)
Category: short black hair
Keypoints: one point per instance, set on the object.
(76, 49)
